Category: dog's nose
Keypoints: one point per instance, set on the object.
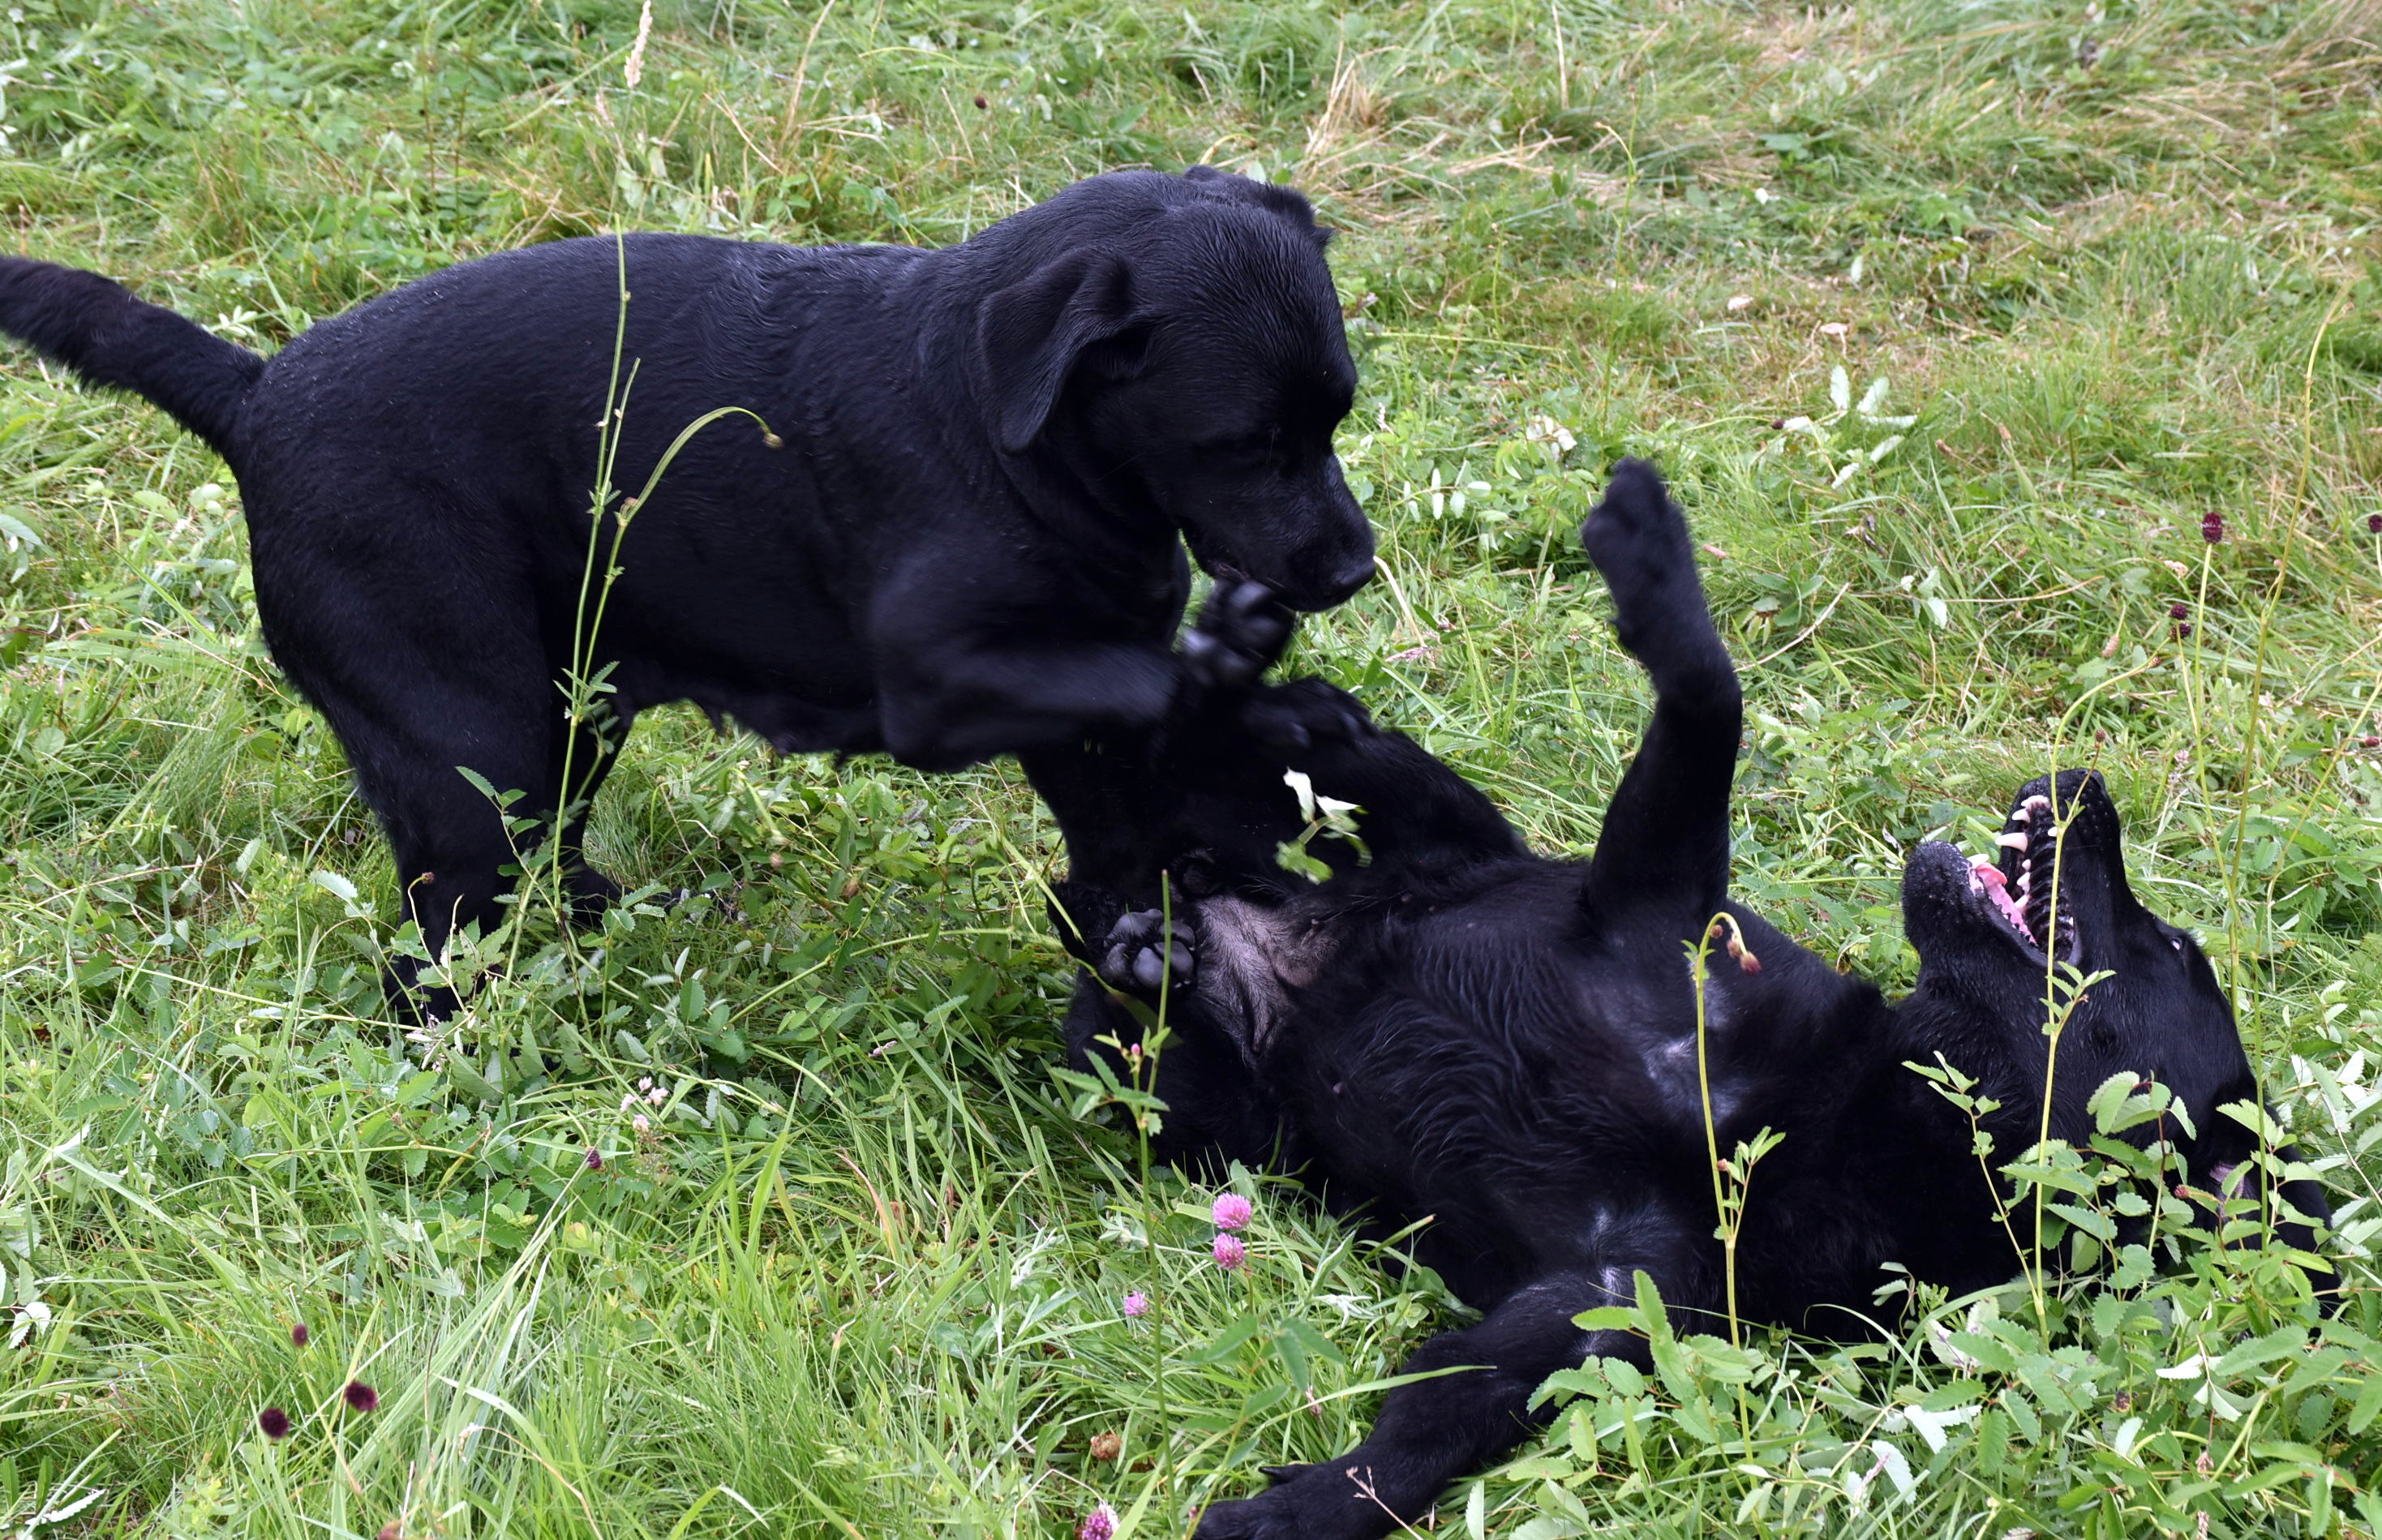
(1350, 577)
(1324, 592)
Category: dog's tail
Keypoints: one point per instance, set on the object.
(95, 327)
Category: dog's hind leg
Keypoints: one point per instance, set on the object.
(1665, 842)
(419, 712)
(1476, 1406)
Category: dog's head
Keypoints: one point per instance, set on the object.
(1989, 932)
(1192, 363)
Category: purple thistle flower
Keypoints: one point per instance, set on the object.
(273, 1424)
(299, 1333)
(2212, 527)
(1233, 1211)
(1099, 1524)
(1136, 1304)
(1230, 1253)
(362, 1397)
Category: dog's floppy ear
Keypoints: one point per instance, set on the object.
(1030, 335)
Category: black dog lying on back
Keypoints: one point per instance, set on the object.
(1464, 1031)
(961, 535)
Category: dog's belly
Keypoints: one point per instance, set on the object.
(790, 723)
(1252, 959)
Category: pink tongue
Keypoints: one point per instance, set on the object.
(1997, 889)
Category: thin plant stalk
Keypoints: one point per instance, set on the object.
(1150, 1052)
(583, 682)
(2257, 1044)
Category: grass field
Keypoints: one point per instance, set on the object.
(1959, 322)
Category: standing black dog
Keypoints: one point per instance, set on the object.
(960, 535)
(1463, 1030)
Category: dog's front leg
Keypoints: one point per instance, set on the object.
(964, 705)
(1434, 1431)
(1665, 834)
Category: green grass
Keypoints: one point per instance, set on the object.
(861, 1274)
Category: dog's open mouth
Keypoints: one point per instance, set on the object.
(2018, 883)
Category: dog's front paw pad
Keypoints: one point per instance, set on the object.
(1143, 954)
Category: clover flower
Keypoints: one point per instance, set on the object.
(1230, 1253)
(1136, 1304)
(273, 1424)
(362, 1397)
(1233, 1212)
(1099, 1524)
(2212, 527)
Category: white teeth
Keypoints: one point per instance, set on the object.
(2014, 840)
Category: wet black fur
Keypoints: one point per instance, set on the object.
(966, 539)
(1507, 1043)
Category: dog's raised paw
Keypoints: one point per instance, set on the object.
(1635, 535)
(1292, 717)
(1144, 955)
(1241, 633)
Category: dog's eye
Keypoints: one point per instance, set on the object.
(1247, 447)
(2176, 942)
